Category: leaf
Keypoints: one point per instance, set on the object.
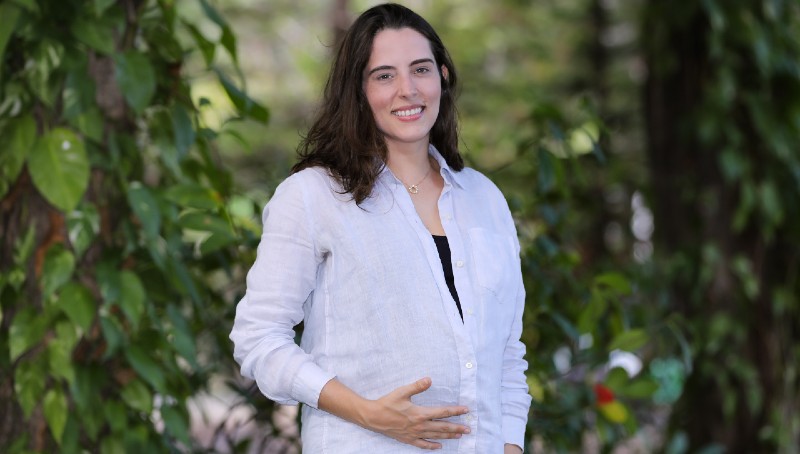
(183, 129)
(9, 13)
(207, 48)
(27, 329)
(591, 314)
(100, 6)
(144, 205)
(77, 302)
(94, 33)
(59, 351)
(228, 39)
(16, 141)
(136, 79)
(137, 396)
(146, 367)
(205, 222)
(245, 105)
(29, 380)
(55, 412)
(182, 339)
(193, 196)
(83, 225)
(614, 412)
(112, 333)
(114, 412)
(59, 264)
(175, 423)
(641, 388)
(629, 340)
(616, 379)
(59, 167)
(131, 297)
(615, 282)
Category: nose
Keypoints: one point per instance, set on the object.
(408, 86)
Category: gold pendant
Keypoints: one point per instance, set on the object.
(413, 189)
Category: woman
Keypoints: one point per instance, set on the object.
(403, 265)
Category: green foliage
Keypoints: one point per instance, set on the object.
(107, 293)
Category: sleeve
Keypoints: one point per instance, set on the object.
(278, 284)
(516, 400)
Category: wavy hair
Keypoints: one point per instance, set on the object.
(344, 137)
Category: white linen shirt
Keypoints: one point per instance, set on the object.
(368, 283)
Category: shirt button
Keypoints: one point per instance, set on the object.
(468, 365)
(470, 418)
(460, 263)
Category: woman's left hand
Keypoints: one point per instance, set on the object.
(511, 449)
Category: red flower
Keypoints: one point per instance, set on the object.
(603, 394)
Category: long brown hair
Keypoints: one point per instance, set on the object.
(344, 137)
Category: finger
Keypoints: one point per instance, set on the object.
(415, 388)
(438, 427)
(445, 412)
(425, 444)
(440, 435)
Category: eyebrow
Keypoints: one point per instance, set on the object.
(384, 67)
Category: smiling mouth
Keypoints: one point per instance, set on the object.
(409, 112)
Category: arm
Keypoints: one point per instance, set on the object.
(394, 415)
(278, 284)
(516, 400)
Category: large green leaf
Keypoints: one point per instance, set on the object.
(16, 141)
(96, 34)
(207, 48)
(136, 79)
(59, 351)
(193, 196)
(77, 302)
(228, 39)
(55, 412)
(59, 168)
(146, 367)
(183, 129)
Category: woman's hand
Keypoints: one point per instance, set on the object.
(394, 415)
(511, 449)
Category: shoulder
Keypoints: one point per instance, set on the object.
(311, 182)
(476, 182)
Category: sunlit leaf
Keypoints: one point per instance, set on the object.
(193, 196)
(207, 48)
(29, 383)
(77, 302)
(245, 105)
(27, 329)
(629, 340)
(59, 167)
(55, 412)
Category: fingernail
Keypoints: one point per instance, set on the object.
(466, 430)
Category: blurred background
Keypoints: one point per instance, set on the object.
(648, 150)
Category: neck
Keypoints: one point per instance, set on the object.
(408, 163)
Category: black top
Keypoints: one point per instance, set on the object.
(444, 255)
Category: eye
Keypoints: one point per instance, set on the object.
(422, 70)
(383, 77)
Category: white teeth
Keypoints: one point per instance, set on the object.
(407, 113)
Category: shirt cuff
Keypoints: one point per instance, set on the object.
(514, 431)
(308, 383)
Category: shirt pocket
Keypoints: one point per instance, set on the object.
(495, 262)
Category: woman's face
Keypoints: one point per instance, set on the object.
(403, 86)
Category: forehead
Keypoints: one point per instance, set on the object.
(398, 47)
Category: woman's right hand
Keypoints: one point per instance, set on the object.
(394, 415)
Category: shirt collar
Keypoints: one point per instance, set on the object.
(450, 176)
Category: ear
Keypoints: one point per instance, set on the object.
(445, 74)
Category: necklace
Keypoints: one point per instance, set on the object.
(414, 188)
